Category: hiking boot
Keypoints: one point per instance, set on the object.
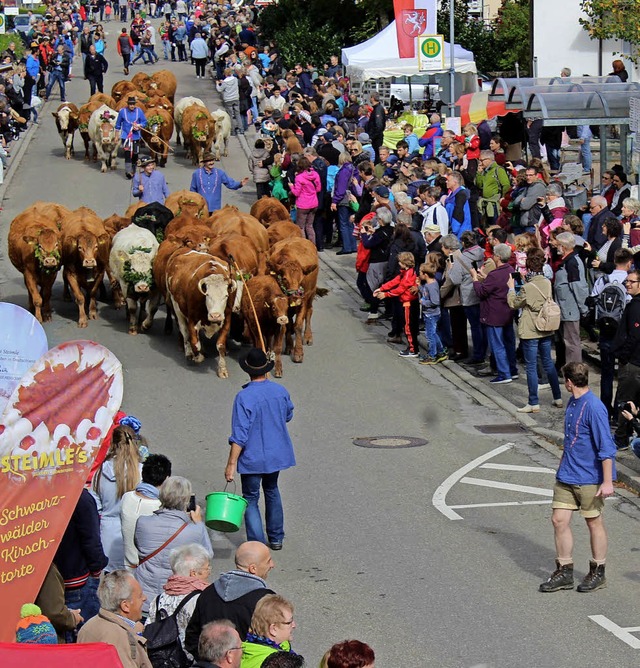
(442, 356)
(561, 578)
(594, 579)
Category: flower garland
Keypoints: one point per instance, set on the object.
(132, 277)
(40, 256)
(156, 119)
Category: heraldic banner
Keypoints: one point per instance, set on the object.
(413, 18)
(50, 430)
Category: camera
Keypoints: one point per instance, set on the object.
(624, 406)
(192, 504)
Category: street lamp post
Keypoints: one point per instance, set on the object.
(452, 68)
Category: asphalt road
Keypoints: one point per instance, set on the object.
(374, 549)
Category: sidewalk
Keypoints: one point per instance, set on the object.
(548, 424)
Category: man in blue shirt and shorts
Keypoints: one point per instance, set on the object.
(584, 479)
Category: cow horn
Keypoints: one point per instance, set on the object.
(202, 286)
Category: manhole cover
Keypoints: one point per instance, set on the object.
(499, 428)
(389, 442)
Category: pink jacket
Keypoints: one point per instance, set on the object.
(306, 188)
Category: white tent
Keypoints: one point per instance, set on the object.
(378, 58)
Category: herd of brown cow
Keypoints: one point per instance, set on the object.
(210, 270)
(155, 95)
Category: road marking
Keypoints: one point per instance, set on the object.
(623, 633)
(502, 503)
(439, 498)
(516, 467)
(507, 485)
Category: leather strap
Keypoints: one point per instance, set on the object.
(153, 554)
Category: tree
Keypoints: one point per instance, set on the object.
(613, 19)
(512, 36)
(472, 34)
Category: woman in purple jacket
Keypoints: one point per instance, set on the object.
(306, 186)
(340, 203)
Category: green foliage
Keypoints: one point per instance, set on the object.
(316, 29)
(512, 36)
(6, 39)
(472, 34)
(613, 19)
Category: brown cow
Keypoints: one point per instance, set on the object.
(34, 250)
(230, 219)
(198, 130)
(85, 256)
(238, 251)
(202, 294)
(157, 100)
(50, 210)
(132, 208)
(114, 223)
(158, 133)
(165, 82)
(269, 210)
(184, 201)
(66, 116)
(141, 81)
(103, 99)
(270, 307)
(122, 89)
(294, 263)
(283, 229)
(197, 237)
(84, 115)
(184, 219)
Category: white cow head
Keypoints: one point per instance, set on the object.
(216, 289)
(137, 272)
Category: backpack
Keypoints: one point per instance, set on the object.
(610, 304)
(548, 318)
(163, 637)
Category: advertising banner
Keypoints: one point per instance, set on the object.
(22, 343)
(413, 18)
(50, 431)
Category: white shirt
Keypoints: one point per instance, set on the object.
(133, 506)
(436, 214)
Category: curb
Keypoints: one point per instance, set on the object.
(548, 439)
(16, 158)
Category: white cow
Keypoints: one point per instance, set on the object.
(178, 110)
(67, 123)
(131, 260)
(223, 131)
(102, 132)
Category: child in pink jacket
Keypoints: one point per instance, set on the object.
(306, 186)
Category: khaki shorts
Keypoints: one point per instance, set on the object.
(578, 497)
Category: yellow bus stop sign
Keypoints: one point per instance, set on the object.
(431, 52)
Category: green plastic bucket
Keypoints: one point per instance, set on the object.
(224, 511)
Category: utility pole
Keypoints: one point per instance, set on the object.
(452, 67)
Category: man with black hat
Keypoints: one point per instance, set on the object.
(208, 181)
(148, 184)
(130, 121)
(261, 446)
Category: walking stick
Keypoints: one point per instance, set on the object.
(253, 308)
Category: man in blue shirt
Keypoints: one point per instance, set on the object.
(208, 181)
(130, 121)
(261, 446)
(148, 184)
(584, 479)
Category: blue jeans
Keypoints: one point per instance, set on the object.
(478, 334)
(274, 514)
(54, 76)
(84, 599)
(503, 346)
(530, 349)
(431, 334)
(635, 446)
(346, 229)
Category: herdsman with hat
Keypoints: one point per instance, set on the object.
(149, 184)
(208, 181)
(261, 446)
(130, 121)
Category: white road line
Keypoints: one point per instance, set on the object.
(439, 498)
(618, 631)
(502, 503)
(516, 467)
(506, 485)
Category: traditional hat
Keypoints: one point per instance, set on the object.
(132, 100)
(146, 160)
(364, 138)
(256, 363)
(208, 157)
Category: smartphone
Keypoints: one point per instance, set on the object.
(474, 264)
(517, 277)
(192, 503)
